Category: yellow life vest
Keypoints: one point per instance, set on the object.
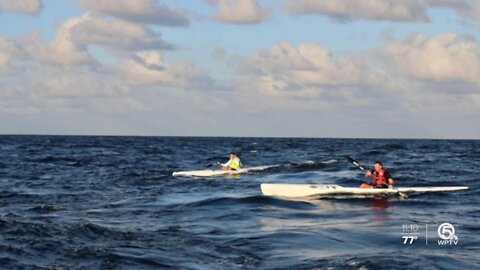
(235, 164)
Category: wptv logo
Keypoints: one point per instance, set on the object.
(447, 235)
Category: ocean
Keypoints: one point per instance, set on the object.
(92, 202)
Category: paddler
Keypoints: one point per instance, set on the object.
(233, 164)
(381, 178)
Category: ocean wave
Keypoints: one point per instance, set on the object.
(250, 200)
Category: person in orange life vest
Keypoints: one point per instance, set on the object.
(233, 164)
(381, 178)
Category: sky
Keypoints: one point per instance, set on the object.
(266, 68)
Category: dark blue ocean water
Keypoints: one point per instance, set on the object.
(111, 203)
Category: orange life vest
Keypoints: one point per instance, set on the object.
(379, 178)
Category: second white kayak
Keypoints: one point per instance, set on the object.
(312, 190)
(207, 173)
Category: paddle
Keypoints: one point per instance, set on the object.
(212, 164)
(354, 162)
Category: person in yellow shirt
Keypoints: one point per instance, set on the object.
(233, 164)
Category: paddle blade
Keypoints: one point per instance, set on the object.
(354, 162)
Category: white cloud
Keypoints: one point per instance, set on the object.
(69, 47)
(443, 58)
(148, 68)
(434, 77)
(67, 91)
(391, 10)
(238, 11)
(145, 11)
(115, 34)
(307, 71)
(117, 105)
(8, 50)
(62, 50)
(9, 109)
(77, 84)
(446, 62)
(30, 7)
(63, 84)
(472, 11)
(464, 8)
(64, 77)
(405, 10)
(4, 61)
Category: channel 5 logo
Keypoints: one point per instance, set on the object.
(446, 232)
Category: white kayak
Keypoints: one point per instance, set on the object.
(206, 173)
(313, 190)
(203, 173)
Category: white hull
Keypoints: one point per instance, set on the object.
(312, 190)
(207, 173)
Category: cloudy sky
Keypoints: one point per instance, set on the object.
(305, 68)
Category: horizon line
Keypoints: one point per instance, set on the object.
(233, 136)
